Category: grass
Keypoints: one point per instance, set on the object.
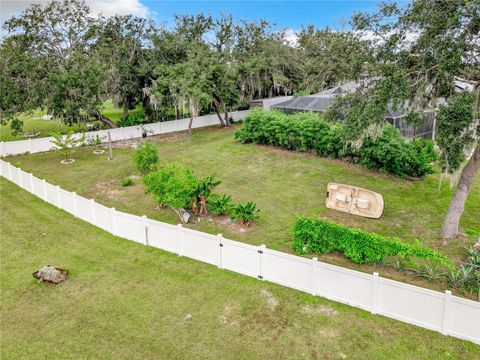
(283, 184)
(32, 123)
(123, 300)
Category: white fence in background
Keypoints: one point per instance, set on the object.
(124, 133)
(433, 310)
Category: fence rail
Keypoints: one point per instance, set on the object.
(124, 133)
(430, 309)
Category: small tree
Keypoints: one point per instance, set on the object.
(65, 144)
(172, 185)
(145, 157)
(202, 193)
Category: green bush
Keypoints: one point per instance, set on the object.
(319, 236)
(172, 185)
(247, 213)
(136, 118)
(127, 182)
(145, 157)
(307, 132)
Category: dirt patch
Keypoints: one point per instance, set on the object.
(328, 333)
(319, 309)
(271, 301)
(225, 222)
(228, 315)
(105, 185)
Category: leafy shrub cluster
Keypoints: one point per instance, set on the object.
(306, 132)
(137, 118)
(145, 157)
(319, 236)
(177, 187)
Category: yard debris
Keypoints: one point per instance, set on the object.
(187, 317)
(51, 274)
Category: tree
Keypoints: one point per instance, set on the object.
(424, 47)
(57, 40)
(121, 44)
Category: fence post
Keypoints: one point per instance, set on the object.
(31, 184)
(30, 147)
(220, 251)
(92, 211)
(313, 277)
(44, 189)
(9, 171)
(59, 198)
(446, 312)
(75, 204)
(260, 251)
(374, 293)
(113, 213)
(144, 218)
(179, 239)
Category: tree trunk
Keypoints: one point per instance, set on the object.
(190, 122)
(177, 113)
(125, 109)
(216, 105)
(457, 205)
(227, 120)
(96, 114)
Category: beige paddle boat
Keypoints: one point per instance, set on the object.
(354, 200)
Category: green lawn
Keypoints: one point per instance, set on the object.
(283, 184)
(123, 300)
(32, 123)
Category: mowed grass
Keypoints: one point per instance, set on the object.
(32, 123)
(123, 300)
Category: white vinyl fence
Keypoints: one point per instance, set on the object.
(433, 310)
(124, 133)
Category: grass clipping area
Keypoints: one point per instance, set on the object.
(123, 300)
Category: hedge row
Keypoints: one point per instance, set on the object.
(319, 236)
(306, 132)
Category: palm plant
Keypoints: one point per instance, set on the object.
(246, 213)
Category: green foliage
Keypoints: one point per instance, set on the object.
(425, 149)
(65, 144)
(172, 185)
(247, 213)
(390, 153)
(429, 271)
(306, 132)
(145, 157)
(319, 236)
(454, 132)
(137, 118)
(17, 126)
(206, 186)
(220, 205)
(127, 182)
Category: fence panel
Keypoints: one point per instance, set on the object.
(168, 126)
(200, 246)
(37, 187)
(130, 227)
(163, 236)
(15, 175)
(347, 286)
(67, 200)
(25, 181)
(287, 270)
(464, 319)
(103, 216)
(84, 209)
(241, 258)
(410, 303)
(51, 192)
(4, 169)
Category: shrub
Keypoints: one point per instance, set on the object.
(319, 236)
(307, 132)
(202, 193)
(137, 118)
(391, 153)
(66, 144)
(220, 205)
(145, 157)
(246, 213)
(172, 185)
(127, 182)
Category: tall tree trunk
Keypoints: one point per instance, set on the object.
(177, 112)
(216, 105)
(457, 205)
(125, 109)
(96, 114)
(190, 122)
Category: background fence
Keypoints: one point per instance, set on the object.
(124, 133)
(433, 310)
